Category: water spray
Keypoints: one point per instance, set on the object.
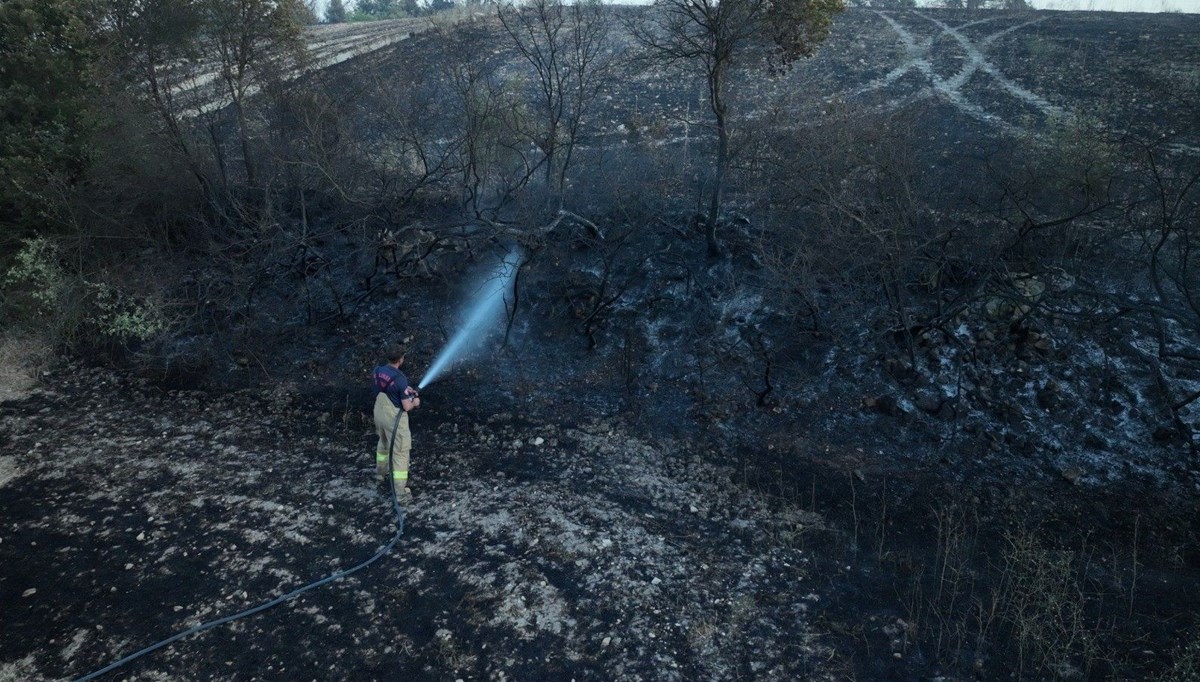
(488, 303)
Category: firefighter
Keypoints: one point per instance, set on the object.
(394, 399)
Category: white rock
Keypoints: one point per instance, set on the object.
(30, 592)
(606, 641)
(656, 581)
(141, 536)
(539, 440)
(177, 609)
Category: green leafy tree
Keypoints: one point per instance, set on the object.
(378, 9)
(46, 117)
(335, 13)
(714, 36)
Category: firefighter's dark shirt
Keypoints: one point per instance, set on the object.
(391, 381)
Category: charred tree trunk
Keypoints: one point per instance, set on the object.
(720, 111)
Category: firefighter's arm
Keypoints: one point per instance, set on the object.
(410, 403)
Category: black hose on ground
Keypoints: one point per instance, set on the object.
(290, 595)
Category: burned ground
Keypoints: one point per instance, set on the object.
(691, 485)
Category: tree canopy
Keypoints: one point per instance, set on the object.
(46, 56)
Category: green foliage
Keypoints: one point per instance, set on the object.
(124, 316)
(35, 277)
(376, 8)
(336, 12)
(39, 295)
(797, 27)
(367, 10)
(145, 35)
(46, 81)
(40, 292)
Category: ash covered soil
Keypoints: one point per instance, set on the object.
(535, 549)
(993, 73)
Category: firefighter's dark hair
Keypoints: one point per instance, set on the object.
(395, 352)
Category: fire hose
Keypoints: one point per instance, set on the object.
(283, 598)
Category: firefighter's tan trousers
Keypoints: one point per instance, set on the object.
(385, 419)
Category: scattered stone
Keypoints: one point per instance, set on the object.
(606, 641)
(141, 536)
(1048, 396)
(30, 592)
(928, 403)
(1064, 670)
(539, 440)
(128, 566)
(1164, 434)
(1072, 475)
(948, 410)
(886, 404)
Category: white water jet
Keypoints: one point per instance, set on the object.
(480, 318)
